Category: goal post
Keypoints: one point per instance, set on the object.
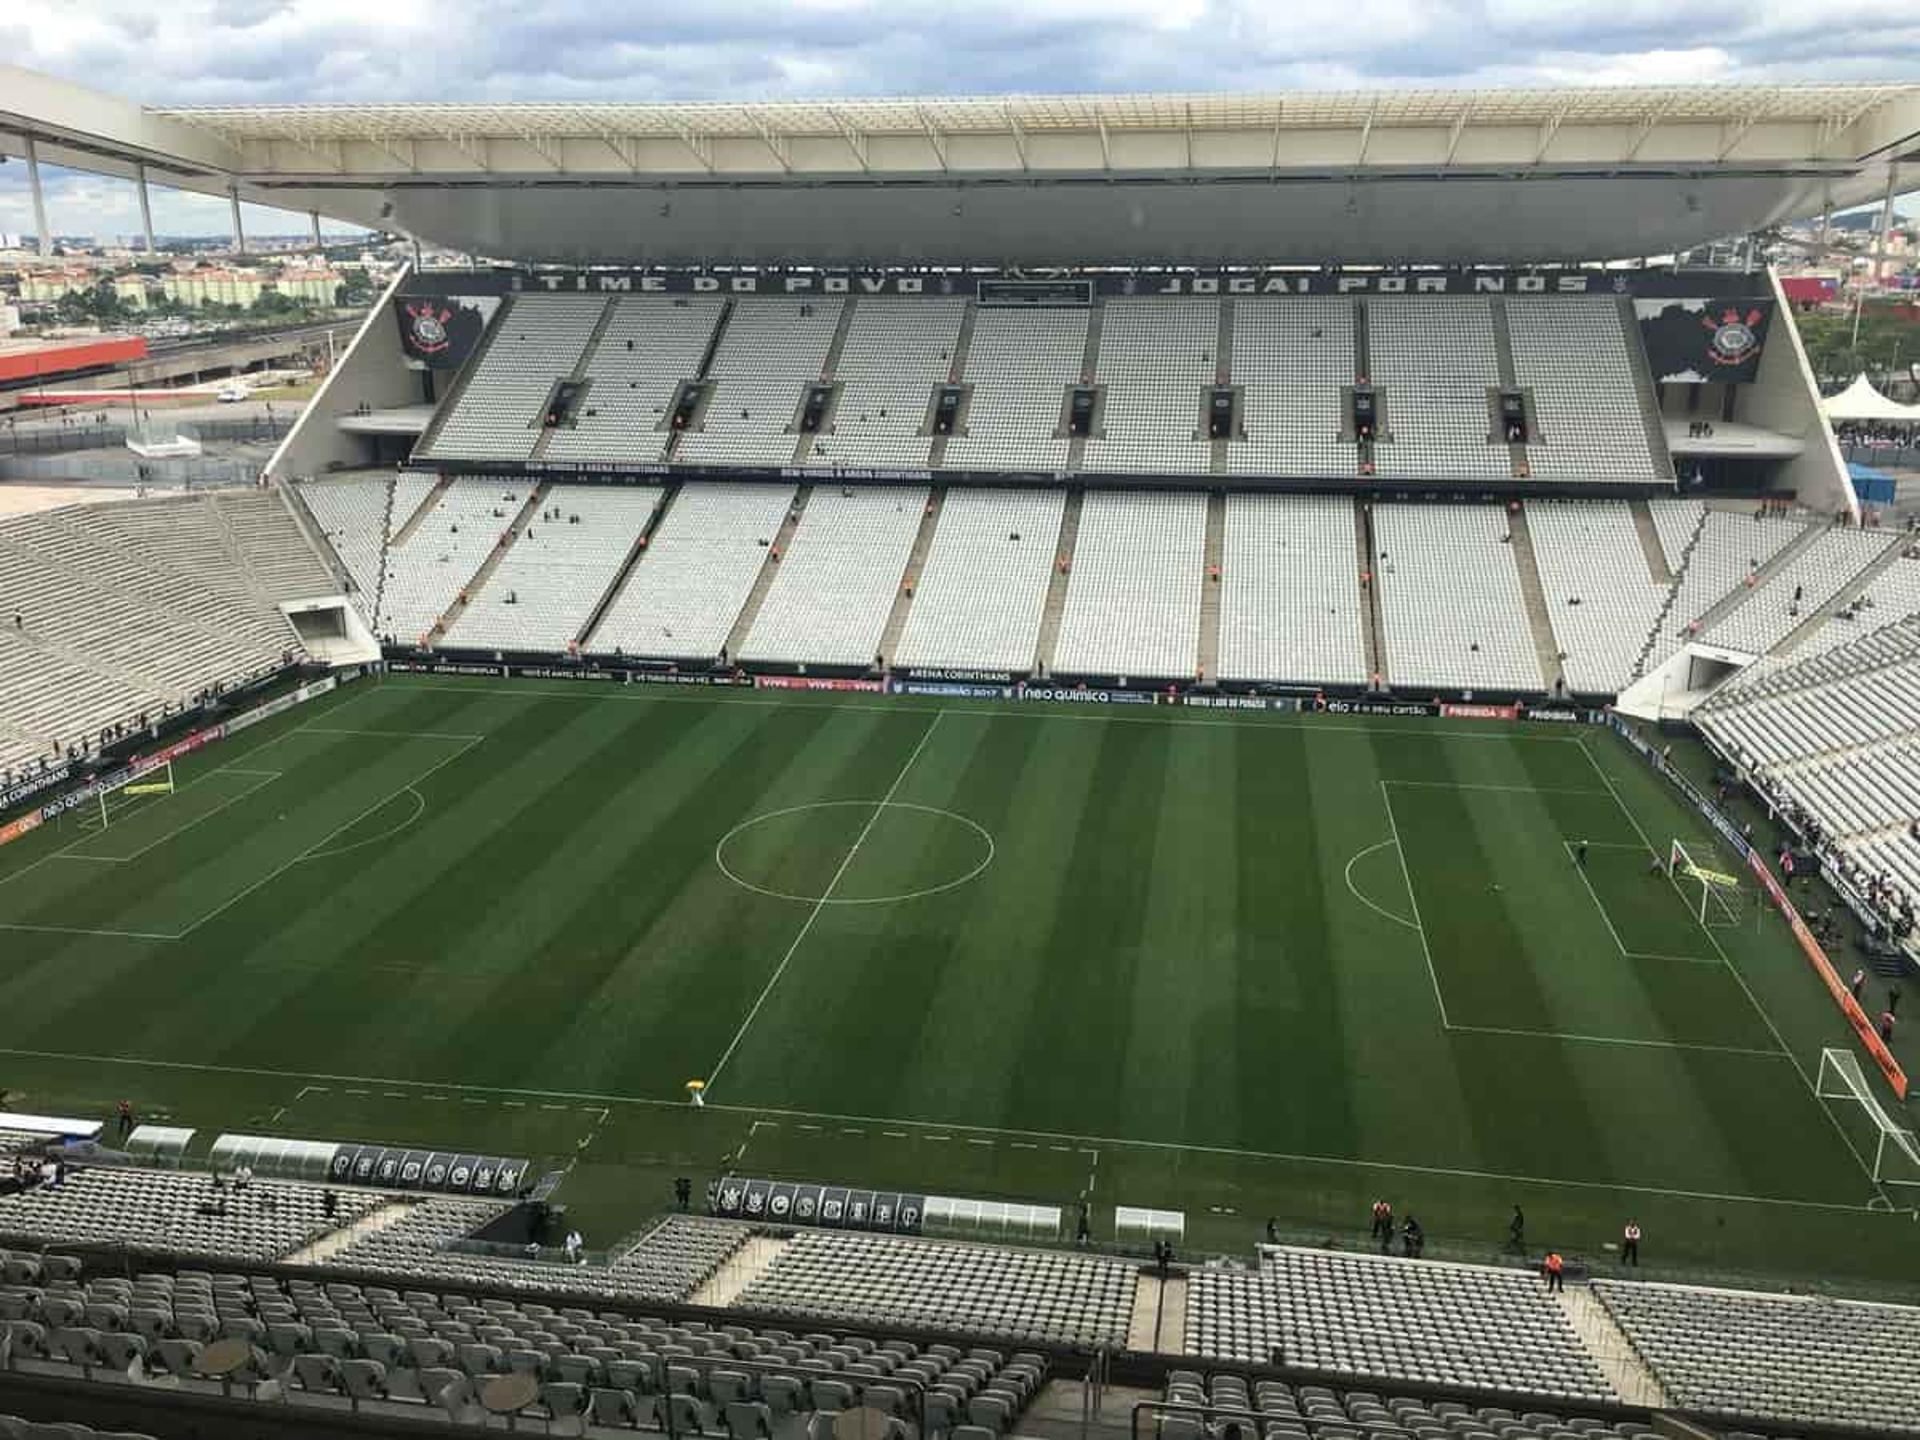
(112, 803)
(1896, 1153)
(1715, 896)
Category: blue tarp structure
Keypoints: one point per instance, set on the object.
(1874, 487)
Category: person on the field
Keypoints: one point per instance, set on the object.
(1630, 1245)
(574, 1244)
(1893, 999)
(1382, 1222)
(124, 1118)
(1517, 1231)
(1413, 1240)
(1580, 853)
(1859, 981)
(1886, 1027)
(1555, 1266)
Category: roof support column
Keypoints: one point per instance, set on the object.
(41, 235)
(146, 205)
(239, 231)
(313, 216)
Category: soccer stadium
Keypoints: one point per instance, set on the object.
(1135, 766)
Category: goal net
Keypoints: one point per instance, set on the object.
(1896, 1154)
(1715, 896)
(111, 807)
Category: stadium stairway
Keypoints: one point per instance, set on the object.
(1845, 596)
(1611, 1349)
(516, 527)
(962, 344)
(1780, 560)
(1214, 554)
(310, 531)
(1649, 534)
(1159, 1319)
(1370, 594)
(739, 1270)
(1057, 587)
(829, 370)
(399, 533)
(1648, 392)
(1538, 620)
(627, 566)
(1673, 589)
(578, 374)
(1089, 367)
(1222, 375)
(910, 577)
(769, 567)
(324, 1248)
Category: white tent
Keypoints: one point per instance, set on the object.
(1860, 401)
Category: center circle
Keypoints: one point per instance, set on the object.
(805, 852)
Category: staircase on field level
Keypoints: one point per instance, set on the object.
(1211, 566)
(1089, 373)
(738, 1271)
(578, 374)
(1057, 586)
(1539, 620)
(456, 392)
(910, 577)
(1222, 375)
(769, 567)
(516, 527)
(334, 1241)
(1610, 1348)
(1372, 630)
(627, 566)
(829, 372)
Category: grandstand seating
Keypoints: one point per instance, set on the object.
(1452, 612)
(428, 569)
(1157, 356)
(137, 607)
(1818, 573)
(545, 587)
(1291, 359)
(682, 598)
(1434, 358)
(896, 351)
(838, 580)
(1298, 1412)
(1290, 591)
(1390, 1319)
(1572, 353)
(649, 347)
(1712, 551)
(1798, 1360)
(1133, 599)
(770, 352)
(1601, 599)
(535, 341)
(1017, 1295)
(984, 585)
(163, 1210)
(1020, 364)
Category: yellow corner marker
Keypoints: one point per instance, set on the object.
(697, 1091)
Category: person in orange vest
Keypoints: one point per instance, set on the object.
(1630, 1245)
(1555, 1265)
(1382, 1223)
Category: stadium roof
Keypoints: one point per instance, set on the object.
(1442, 175)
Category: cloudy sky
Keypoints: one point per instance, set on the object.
(262, 51)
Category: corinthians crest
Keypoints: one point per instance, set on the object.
(427, 326)
(1733, 337)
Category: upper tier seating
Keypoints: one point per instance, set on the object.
(837, 583)
(1891, 595)
(161, 1210)
(1816, 574)
(1298, 1412)
(1728, 547)
(544, 590)
(1433, 356)
(683, 596)
(534, 342)
(1291, 359)
(1157, 356)
(771, 351)
(1020, 364)
(1133, 599)
(895, 353)
(1789, 1359)
(1571, 352)
(984, 586)
(1451, 609)
(427, 570)
(1290, 591)
(651, 345)
(1031, 1295)
(1601, 598)
(1391, 1319)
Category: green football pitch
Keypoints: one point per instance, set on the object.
(1238, 965)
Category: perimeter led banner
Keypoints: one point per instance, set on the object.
(1695, 340)
(438, 332)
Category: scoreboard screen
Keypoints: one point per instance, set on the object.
(1036, 293)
